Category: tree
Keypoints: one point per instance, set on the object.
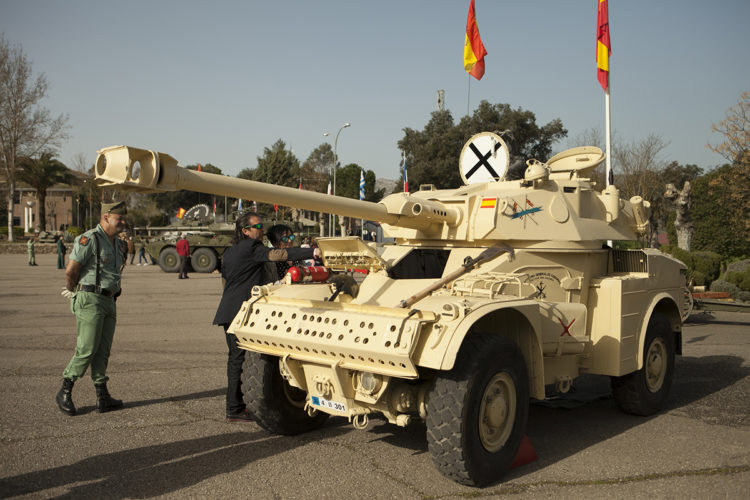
(683, 222)
(316, 170)
(347, 179)
(528, 139)
(736, 131)
(41, 174)
(26, 127)
(677, 180)
(721, 202)
(638, 167)
(432, 154)
(278, 166)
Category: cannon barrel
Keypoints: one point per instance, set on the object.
(140, 170)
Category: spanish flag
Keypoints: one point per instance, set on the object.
(603, 45)
(474, 51)
(180, 213)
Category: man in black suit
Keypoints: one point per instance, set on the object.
(242, 268)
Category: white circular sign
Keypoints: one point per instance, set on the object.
(484, 158)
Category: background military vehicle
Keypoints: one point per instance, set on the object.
(493, 293)
(207, 239)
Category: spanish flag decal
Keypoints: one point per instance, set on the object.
(488, 203)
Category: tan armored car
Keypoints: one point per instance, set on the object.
(491, 292)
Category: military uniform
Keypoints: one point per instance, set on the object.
(32, 256)
(93, 304)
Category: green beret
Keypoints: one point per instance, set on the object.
(119, 208)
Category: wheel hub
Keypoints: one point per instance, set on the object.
(497, 412)
(656, 366)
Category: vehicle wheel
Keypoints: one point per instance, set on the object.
(169, 261)
(645, 391)
(687, 304)
(477, 412)
(277, 406)
(204, 260)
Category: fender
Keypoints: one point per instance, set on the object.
(528, 341)
(666, 303)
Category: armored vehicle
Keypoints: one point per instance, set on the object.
(207, 240)
(493, 293)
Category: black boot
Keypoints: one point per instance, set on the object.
(64, 398)
(105, 402)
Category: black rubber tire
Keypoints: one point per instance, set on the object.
(276, 406)
(640, 392)
(204, 260)
(455, 402)
(169, 261)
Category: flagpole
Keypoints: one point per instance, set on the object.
(608, 138)
(468, 95)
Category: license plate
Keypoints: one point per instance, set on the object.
(328, 405)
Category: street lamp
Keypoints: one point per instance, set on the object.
(335, 161)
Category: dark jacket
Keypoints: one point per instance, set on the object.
(242, 267)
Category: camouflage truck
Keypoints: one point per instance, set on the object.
(493, 293)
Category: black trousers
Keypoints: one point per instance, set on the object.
(183, 262)
(235, 358)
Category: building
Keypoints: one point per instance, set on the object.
(61, 207)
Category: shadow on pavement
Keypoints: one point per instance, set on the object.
(705, 317)
(83, 410)
(159, 469)
(589, 415)
(558, 433)
(185, 397)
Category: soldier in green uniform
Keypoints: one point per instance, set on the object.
(92, 285)
(30, 247)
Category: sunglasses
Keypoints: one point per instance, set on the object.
(254, 226)
(287, 239)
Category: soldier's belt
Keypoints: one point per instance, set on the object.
(95, 289)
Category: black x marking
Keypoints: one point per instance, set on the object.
(483, 161)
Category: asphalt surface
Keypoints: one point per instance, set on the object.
(171, 439)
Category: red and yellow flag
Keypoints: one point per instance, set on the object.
(181, 213)
(474, 51)
(603, 45)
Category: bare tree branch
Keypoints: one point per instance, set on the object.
(26, 128)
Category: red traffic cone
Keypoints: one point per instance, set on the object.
(525, 455)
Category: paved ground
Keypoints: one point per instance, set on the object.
(171, 440)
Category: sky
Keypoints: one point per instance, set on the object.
(217, 82)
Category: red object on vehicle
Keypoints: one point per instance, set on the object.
(299, 274)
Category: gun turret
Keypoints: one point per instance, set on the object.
(555, 204)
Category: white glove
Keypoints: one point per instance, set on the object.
(66, 293)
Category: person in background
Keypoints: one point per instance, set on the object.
(281, 236)
(131, 249)
(183, 250)
(93, 284)
(142, 252)
(60, 252)
(242, 268)
(306, 244)
(30, 248)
